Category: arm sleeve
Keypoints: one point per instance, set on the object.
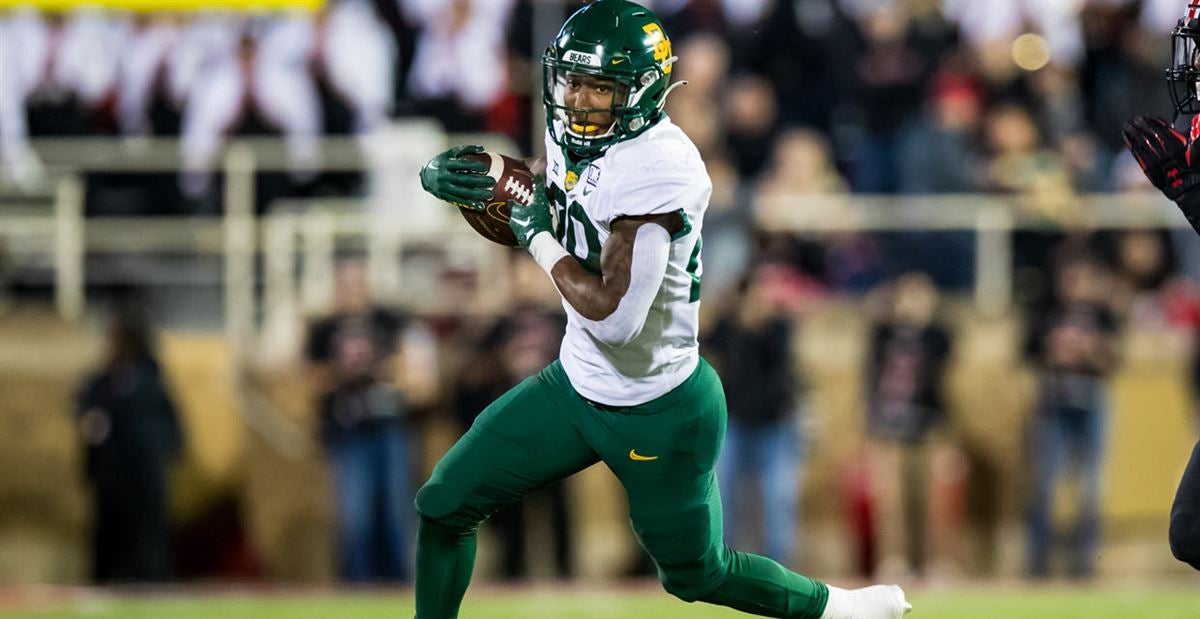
(1185, 514)
(651, 252)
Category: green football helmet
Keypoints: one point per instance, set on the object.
(613, 40)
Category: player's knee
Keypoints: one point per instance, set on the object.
(692, 581)
(443, 503)
(1184, 537)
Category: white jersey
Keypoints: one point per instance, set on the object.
(657, 172)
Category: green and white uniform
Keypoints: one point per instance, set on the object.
(658, 172)
(650, 408)
(643, 402)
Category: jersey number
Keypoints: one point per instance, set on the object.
(576, 233)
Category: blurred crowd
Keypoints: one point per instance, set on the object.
(785, 99)
(872, 96)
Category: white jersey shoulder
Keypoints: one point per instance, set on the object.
(658, 172)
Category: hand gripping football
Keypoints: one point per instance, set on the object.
(514, 181)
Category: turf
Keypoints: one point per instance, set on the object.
(1181, 602)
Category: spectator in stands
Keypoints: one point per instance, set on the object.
(455, 35)
(751, 114)
(87, 60)
(1143, 266)
(940, 153)
(130, 430)
(1018, 161)
(1121, 74)
(208, 82)
(358, 58)
(889, 86)
(905, 378)
(803, 49)
(142, 64)
(24, 52)
(752, 346)
(365, 386)
(284, 90)
(517, 346)
(801, 165)
(1071, 344)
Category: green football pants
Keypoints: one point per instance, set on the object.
(663, 452)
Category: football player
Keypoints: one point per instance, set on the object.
(1171, 161)
(617, 225)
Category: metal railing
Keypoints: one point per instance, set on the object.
(295, 236)
(301, 236)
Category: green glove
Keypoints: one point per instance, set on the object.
(459, 181)
(528, 220)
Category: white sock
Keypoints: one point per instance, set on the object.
(877, 602)
(840, 604)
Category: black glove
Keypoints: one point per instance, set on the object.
(459, 181)
(1169, 161)
(1164, 154)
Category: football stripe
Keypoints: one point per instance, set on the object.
(497, 165)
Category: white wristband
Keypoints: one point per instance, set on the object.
(546, 250)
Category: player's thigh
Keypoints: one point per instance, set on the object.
(674, 501)
(521, 442)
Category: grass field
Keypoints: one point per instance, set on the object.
(1100, 602)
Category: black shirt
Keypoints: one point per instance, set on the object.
(354, 346)
(1071, 379)
(756, 368)
(140, 429)
(1091, 319)
(904, 380)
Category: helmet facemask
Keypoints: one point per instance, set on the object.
(1183, 77)
(598, 121)
(637, 101)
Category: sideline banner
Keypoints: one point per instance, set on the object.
(152, 6)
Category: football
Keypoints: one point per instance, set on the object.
(514, 181)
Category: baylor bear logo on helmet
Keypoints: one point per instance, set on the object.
(606, 76)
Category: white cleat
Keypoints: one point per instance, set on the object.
(883, 602)
(876, 602)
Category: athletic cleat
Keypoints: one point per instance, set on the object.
(881, 602)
